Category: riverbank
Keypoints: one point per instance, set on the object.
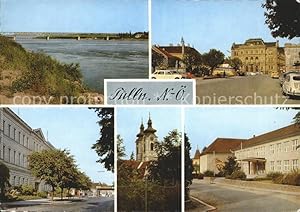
(26, 74)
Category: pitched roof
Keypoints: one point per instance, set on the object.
(197, 154)
(281, 133)
(162, 51)
(223, 145)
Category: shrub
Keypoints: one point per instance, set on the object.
(198, 176)
(292, 178)
(275, 176)
(208, 173)
(27, 190)
(238, 174)
(42, 194)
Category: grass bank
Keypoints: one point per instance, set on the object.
(37, 74)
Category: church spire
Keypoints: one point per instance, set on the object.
(150, 128)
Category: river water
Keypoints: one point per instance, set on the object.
(98, 59)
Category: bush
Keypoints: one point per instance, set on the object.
(208, 173)
(275, 176)
(198, 176)
(42, 194)
(27, 190)
(292, 178)
(238, 174)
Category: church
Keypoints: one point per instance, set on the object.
(145, 143)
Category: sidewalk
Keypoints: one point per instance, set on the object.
(260, 185)
(26, 203)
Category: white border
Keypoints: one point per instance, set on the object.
(150, 81)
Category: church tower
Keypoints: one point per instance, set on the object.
(145, 143)
(182, 47)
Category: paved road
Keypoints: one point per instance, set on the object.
(88, 204)
(226, 198)
(260, 89)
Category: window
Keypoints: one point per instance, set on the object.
(14, 161)
(19, 138)
(8, 155)
(3, 127)
(152, 147)
(295, 164)
(279, 165)
(14, 133)
(286, 165)
(272, 165)
(272, 148)
(294, 144)
(286, 146)
(23, 142)
(3, 152)
(9, 126)
(278, 147)
(19, 158)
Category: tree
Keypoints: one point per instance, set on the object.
(192, 59)
(166, 170)
(282, 17)
(230, 166)
(4, 179)
(53, 166)
(104, 147)
(132, 156)
(158, 60)
(121, 148)
(188, 163)
(235, 63)
(213, 58)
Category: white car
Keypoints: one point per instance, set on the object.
(291, 84)
(166, 74)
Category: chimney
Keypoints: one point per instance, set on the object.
(254, 136)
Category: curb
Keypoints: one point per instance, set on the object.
(211, 208)
(260, 189)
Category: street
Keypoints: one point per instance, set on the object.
(87, 204)
(229, 198)
(259, 89)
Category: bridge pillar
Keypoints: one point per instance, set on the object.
(78, 38)
(48, 38)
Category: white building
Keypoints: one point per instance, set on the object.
(214, 156)
(269, 152)
(17, 141)
(145, 143)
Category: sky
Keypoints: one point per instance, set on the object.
(75, 129)
(203, 125)
(207, 24)
(73, 15)
(164, 120)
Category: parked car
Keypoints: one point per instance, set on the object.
(166, 74)
(249, 73)
(291, 84)
(283, 75)
(275, 75)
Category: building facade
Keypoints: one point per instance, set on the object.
(17, 141)
(214, 156)
(166, 57)
(259, 56)
(145, 143)
(273, 151)
(292, 56)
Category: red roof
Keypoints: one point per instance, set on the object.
(223, 145)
